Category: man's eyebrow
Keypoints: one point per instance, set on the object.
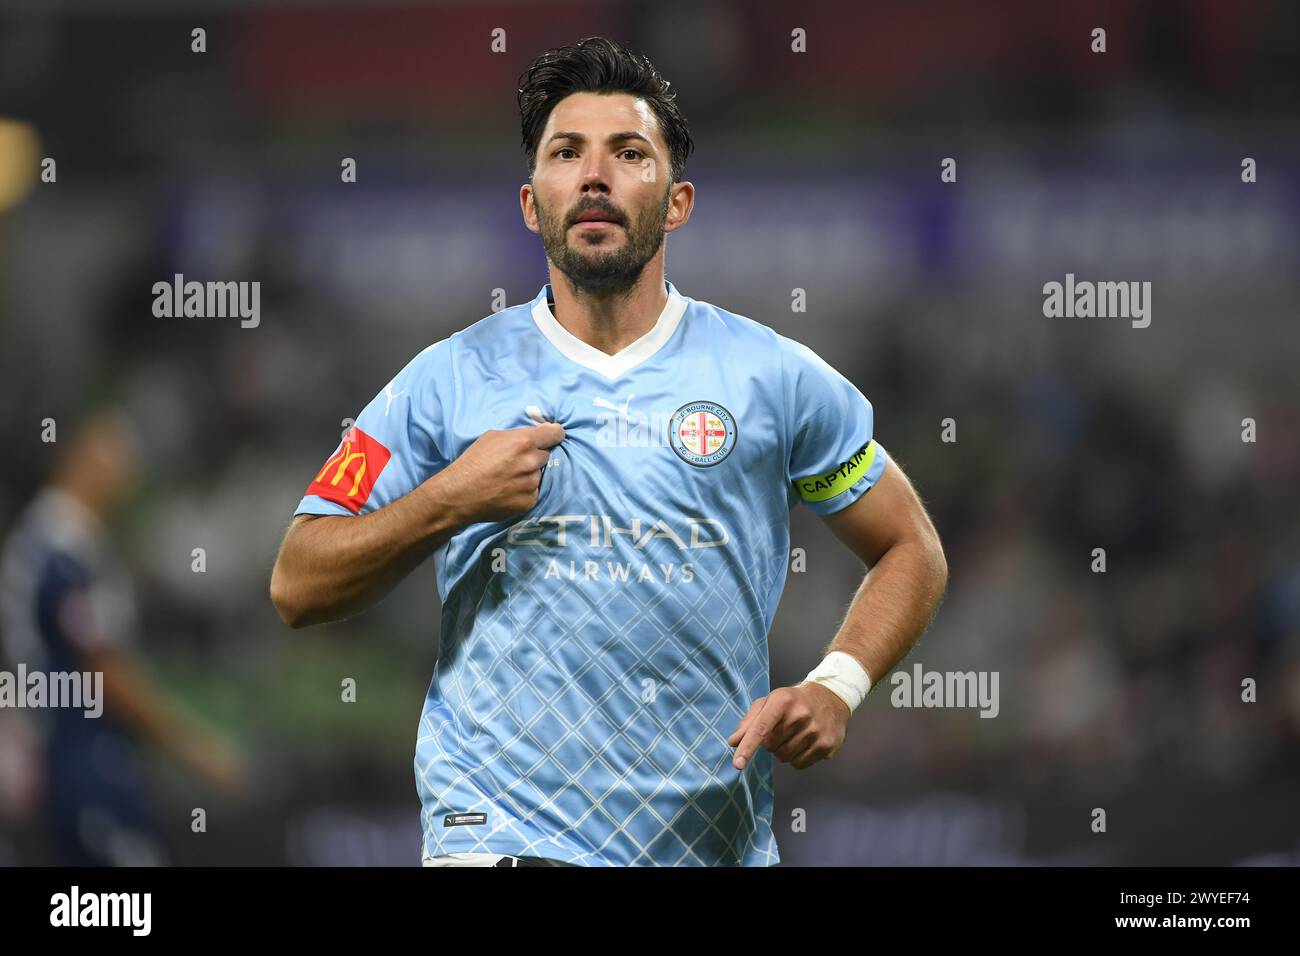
(613, 137)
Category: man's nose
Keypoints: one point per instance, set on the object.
(595, 178)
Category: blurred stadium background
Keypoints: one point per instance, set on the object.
(817, 171)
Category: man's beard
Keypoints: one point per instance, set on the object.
(593, 269)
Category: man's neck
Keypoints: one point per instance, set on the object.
(78, 499)
(612, 322)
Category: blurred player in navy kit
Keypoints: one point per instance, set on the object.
(67, 606)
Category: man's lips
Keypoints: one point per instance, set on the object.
(595, 219)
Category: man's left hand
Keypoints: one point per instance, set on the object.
(800, 725)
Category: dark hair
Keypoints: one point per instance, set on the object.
(598, 65)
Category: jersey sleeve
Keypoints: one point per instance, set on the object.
(834, 457)
(394, 445)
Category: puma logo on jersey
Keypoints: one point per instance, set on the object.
(388, 390)
(622, 409)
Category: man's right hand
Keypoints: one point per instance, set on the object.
(220, 761)
(330, 566)
(499, 475)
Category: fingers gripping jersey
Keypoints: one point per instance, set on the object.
(597, 651)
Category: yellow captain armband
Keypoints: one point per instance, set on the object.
(845, 475)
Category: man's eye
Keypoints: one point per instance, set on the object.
(636, 154)
(564, 149)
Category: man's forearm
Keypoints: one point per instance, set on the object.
(136, 700)
(893, 606)
(334, 566)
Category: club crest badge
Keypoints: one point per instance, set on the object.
(702, 433)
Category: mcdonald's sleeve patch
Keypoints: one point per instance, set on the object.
(349, 475)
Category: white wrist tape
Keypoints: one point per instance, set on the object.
(841, 673)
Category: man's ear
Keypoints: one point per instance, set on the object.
(680, 204)
(528, 208)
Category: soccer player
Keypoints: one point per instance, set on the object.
(604, 476)
(67, 606)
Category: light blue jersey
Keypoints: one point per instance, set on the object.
(598, 650)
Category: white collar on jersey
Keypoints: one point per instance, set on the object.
(610, 366)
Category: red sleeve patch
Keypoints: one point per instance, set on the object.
(351, 472)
